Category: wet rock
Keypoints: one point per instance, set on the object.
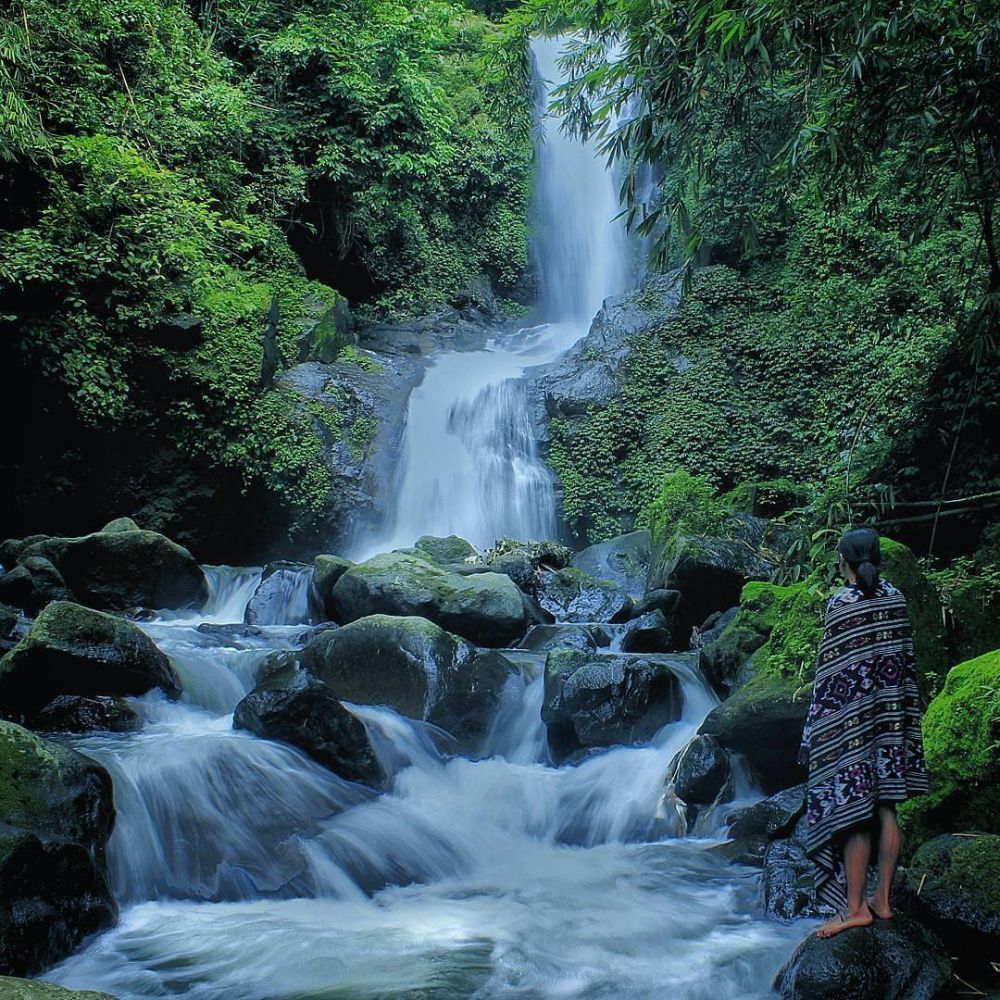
(327, 570)
(654, 632)
(570, 595)
(752, 828)
(443, 551)
(486, 608)
(56, 815)
(524, 562)
(763, 720)
(230, 634)
(284, 596)
(700, 771)
(623, 560)
(326, 328)
(606, 699)
(11, 549)
(895, 959)
(787, 881)
(36, 989)
(8, 621)
(71, 713)
(953, 885)
(125, 568)
(32, 584)
(75, 650)
(541, 638)
(667, 601)
(296, 707)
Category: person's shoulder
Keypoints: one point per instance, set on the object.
(889, 589)
(846, 595)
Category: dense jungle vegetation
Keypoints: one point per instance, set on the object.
(170, 170)
(176, 177)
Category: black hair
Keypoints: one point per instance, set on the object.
(860, 548)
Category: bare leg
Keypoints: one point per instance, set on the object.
(888, 857)
(857, 852)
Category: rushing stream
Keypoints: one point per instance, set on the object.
(245, 871)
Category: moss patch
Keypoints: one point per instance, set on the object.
(968, 867)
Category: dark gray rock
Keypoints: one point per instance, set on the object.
(541, 638)
(526, 562)
(71, 649)
(284, 596)
(56, 815)
(623, 560)
(72, 713)
(32, 584)
(570, 595)
(466, 699)
(327, 570)
(486, 608)
(895, 959)
(700, 771)
(752, 828)
(296, 707)
(654, 632)
(788, 882)
(124, 569)
(668, 601)
(606, 699)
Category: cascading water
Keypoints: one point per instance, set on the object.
(469, 461)
(246, 871)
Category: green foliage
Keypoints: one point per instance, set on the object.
(362, 359)
(163, 172)
(686, 505)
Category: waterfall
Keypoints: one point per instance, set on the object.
(469, 463)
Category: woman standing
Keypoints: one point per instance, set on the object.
(862, 740)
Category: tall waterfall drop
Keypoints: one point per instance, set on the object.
(469, 461)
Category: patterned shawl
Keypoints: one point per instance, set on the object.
(862, 738)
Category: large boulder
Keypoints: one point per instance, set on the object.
(953, 885)
(486, 608)
(570, 595)
(962, 748)
(655, 632)
(623, 560)
(788, 884)
(541, 638)
(284, 596)
(32, 584)
(35, 989)
(56, 815)
(413, 666)
(895, 959)
(121, 569)
(445, 550)
(524, 562)
(71, 649)
(296, 707)
(327, 570)
(752, 828)
(763, 721)
(605, 699)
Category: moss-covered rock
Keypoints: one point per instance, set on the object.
(449, 549)
(56, 815)
(71, 649)
(327, 570)
(962, 746)
(125, 568)
(901, 568)
(32, 584)
(486, 608)
(623, 559)
(36, 989)
(953, 885)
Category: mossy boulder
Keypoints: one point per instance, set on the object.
(901, 568)
(953, 885)
(571, 595)
(71, 649)
(449, 549)
(606, 699)
(486, 608)
(962, 746)
(56, 815)
(32, 584)
(623, 559)
(296, 707)
(125, 568)
(413, 666)
(975, 618)
(35, 989)
(327, 570)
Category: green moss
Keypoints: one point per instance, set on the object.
(35, 989)
(962, 746)
(792, 619)
(901, 568)
(967, 867)
(30, 768)
(362, 359)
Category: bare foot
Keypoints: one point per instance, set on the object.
(880, 911)
(844, 922)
